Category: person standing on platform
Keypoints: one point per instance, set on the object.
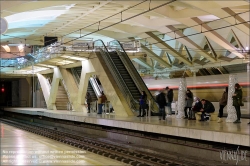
(161, 101)
(88, 100)
(237, 101)
(207, 107)
(101, 100)
(223, 103)
(189, 103)
(143, 102)
(169, 99)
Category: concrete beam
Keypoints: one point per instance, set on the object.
(188, 42)
(155, 57)
(213, 35)
(161, 44)
(216, 9)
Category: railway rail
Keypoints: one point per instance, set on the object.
(128, 156)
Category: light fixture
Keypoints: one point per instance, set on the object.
(21, 48)
(247, 48)
(6, 48)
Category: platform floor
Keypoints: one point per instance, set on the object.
(237, 134)
(19, 147)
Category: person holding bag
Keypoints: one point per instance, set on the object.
(237, 101)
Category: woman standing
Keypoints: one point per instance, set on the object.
(237, 100)
(143, 102)
(189, 103)
(223, 103)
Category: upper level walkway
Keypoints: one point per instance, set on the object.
(237, 134)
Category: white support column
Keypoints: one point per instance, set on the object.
(231, 112)
(181, 98)
(45, 87)
(87, 71)
(54, 88)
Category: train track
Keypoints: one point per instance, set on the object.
(128, 156)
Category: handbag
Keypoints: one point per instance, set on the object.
(240, 102)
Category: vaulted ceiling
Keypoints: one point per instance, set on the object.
(176, 35)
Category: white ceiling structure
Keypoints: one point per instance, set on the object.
(175, 35)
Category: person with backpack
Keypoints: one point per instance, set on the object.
(161, 101)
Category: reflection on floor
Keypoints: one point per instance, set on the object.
(19, 147)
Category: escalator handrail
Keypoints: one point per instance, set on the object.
(141, 80)
(94, 84)
(126, 91)
(98, 86)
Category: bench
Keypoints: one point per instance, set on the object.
(213, 116)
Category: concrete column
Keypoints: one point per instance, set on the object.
(231, 112)
(45, 87)
(87, 71)
(54, 88)
(181, 98)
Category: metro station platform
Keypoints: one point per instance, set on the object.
(230, 133)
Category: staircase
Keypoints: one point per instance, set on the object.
(61, 99)
(125, 76)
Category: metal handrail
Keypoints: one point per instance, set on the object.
(135, 76)
(122, 85)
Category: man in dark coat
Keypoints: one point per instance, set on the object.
(169, 100)
(207, 107)
(161, 101)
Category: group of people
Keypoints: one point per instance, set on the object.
(101, 100)
(164, 100)
(194, 104)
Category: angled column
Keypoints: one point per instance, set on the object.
(45, 87)
(181, 98)
(231, 112)
(54, 88)
(87, 71)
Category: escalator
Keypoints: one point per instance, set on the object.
(125, 75)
